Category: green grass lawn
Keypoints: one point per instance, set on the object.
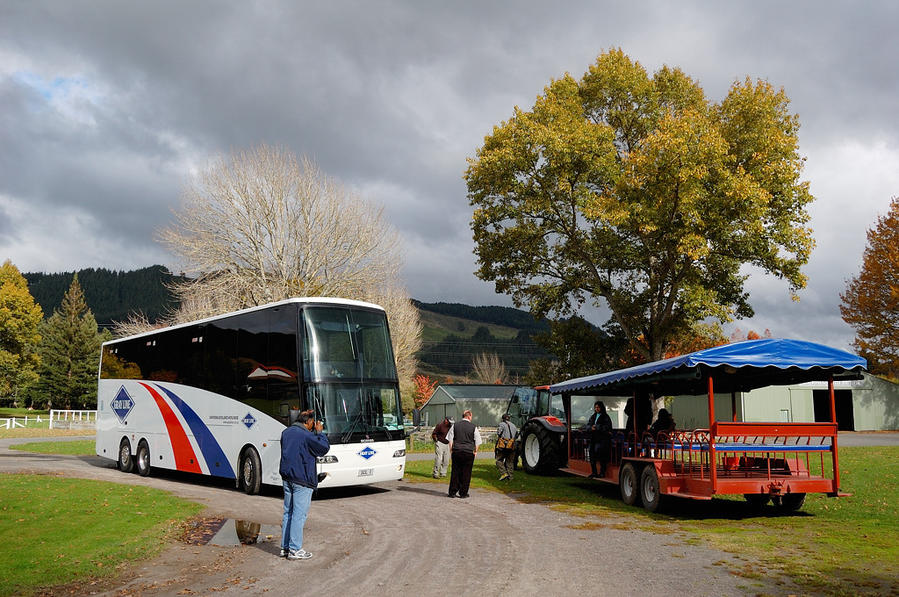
(78, 447)
(55, 531)
(22, 412)
(845, 546)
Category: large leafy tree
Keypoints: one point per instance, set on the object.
(637, 193)
(20, 318)
(261, 225)
(70, 353)
(871, 300)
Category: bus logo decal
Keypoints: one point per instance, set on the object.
(249, 420)
(209, 446)
(122, 404)
(367, 452)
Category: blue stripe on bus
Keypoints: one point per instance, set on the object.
(216, 461)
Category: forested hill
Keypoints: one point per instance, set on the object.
(111, 295)
(453, 333)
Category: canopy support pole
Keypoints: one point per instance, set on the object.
(833, 447)
(733, 406)
(713, 473)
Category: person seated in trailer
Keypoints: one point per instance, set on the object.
(665, 422)
(644, 412)
(600, 427)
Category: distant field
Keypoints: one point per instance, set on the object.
(436, 327)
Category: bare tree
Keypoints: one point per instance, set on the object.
(489, 368)
(260, 226)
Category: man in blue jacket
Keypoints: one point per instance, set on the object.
(299, 448)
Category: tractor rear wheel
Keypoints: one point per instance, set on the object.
(540, 450)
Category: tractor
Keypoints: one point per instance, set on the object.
(541, 420)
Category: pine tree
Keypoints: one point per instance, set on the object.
(70, 352)
(19, 337)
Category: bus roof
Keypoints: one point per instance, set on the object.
(300, 300)
(737, 367)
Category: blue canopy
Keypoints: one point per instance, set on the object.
(738, 367)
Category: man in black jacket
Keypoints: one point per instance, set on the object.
(464, 439)
(600, 427)
(299, 449)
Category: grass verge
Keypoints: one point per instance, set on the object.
(843, 546)
(55, 531)
(43, 432)
(78, 447)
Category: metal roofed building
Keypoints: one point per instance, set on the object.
(487, 403)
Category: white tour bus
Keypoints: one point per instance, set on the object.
(212, 397)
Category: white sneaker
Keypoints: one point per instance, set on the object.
(300, 554)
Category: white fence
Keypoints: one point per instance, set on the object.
(16, 422)
(68, 419)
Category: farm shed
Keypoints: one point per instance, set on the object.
(867, 404)
(487, 403)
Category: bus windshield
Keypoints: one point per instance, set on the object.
(353, 410)
(345, 345)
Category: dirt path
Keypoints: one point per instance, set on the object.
(404, 538)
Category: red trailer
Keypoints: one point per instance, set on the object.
(763, 461)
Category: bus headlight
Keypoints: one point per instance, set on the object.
(399, 453)
(328, 459)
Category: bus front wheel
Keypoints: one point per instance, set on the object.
(125, 463)
(250, 471)
(143, 459)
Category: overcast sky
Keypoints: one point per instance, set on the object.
(107, 107)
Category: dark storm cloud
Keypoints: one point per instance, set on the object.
(107, 106)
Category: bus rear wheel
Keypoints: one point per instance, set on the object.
(143, 459)
(629, 485)
(125, 462)
(250, 471)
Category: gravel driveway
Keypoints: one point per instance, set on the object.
(408, 538)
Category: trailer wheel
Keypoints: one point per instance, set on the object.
(125, 462)
(630, 494)
(649, 488)
(250, 471)
(790, 502)
(539, 450)
(143, 459)
(756, 501)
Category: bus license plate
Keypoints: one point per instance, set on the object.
(366, 472)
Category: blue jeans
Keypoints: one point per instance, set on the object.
(296, 506)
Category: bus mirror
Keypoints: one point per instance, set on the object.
(416, 417)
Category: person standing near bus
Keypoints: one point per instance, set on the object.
(441, 447)
(505, 447)
(464, 439)
(299, 448)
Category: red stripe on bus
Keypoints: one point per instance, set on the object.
(185, 459)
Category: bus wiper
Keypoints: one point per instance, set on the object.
(349, 432)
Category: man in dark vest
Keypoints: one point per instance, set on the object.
(464, 439)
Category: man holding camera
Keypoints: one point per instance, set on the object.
(299, 448)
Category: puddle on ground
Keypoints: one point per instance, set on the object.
(228, 532)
